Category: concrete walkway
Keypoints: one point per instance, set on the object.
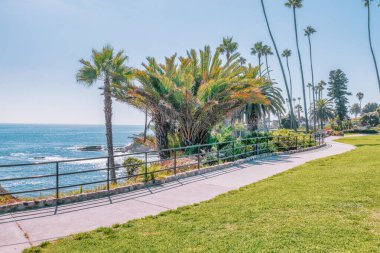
(23, 229)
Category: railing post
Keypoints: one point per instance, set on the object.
(57, 181)
(217, 153)
(175, 162)
(146, 167)
(233, 150)
(199, 157)
(267, 140)
(257, 146)
(309, 140)
(303, 141)
(108, 174)
(296, 142)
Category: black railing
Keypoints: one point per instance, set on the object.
(151, 166)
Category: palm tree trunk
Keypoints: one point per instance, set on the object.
(161, 131)
(146, 124)
(312, 80)
(301, 68)
(108, 117)
(290, 78)
(266, 62)
(280, 62)
(370, 44)
(260, 65)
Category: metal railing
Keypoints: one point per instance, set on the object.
(194, 157)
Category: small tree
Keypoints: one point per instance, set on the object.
(338, 93)
(355, 109)
(370, 119)
(370, 107)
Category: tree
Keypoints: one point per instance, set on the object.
(267, 51)
(228, 47)
(338, 93)
(367, 3)
(355, 109)
(110, 69)
(370, 119)
(370, 107)
(255, 112)
(323, 112)
(296, 4)
(258, 49)
(319, 89)
(287, 53)
(360, 97)
(292, 119)
(308, 32)
(299, 110)
(242, 61)
(193, 96)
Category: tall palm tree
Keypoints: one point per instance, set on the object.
(360, 96)
(308, 32)
(281, 65)
(267, 51)
(309, 86)
(324, 111)
(296, 4)
(228, 47)
(108, 67)
(319, 89)
(367, 3)
(258, 49)
(287, 53)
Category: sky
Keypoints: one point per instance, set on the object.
(41, 42)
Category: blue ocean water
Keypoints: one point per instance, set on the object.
(21, 143)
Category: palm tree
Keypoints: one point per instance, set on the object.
(287, 53)
(319, 89)
(324, 111)
(189, 98)
(258, 49)
(257, 111)
(367, 3)
(299, 110)
(355, 109)
(308, 32)
(295, 4)
(228, 47)
(360, 96)
(110, 69)
(242, 61)
(267, 50)
(309, 86)
(281, 66)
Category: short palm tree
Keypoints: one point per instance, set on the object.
(360, 96)
(292, 119)
(191, 97)
(266, 52)
(367, 3)
(355, 109)
(287, 53)
(296, 4)
(242, 61)
(319, 89)
(324, 111)
(258, 49)
(228, 47)
(108, 67)
(299, 109)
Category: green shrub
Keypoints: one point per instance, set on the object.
(133, 165)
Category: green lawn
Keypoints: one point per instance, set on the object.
(328, 205)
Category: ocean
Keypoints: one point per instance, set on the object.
(22, 143)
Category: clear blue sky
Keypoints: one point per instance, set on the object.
(42, 41)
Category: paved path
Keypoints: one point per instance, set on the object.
(23, 229)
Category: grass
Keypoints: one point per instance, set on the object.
(328, 205)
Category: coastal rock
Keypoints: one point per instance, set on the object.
(2, 190)
(91, 148)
